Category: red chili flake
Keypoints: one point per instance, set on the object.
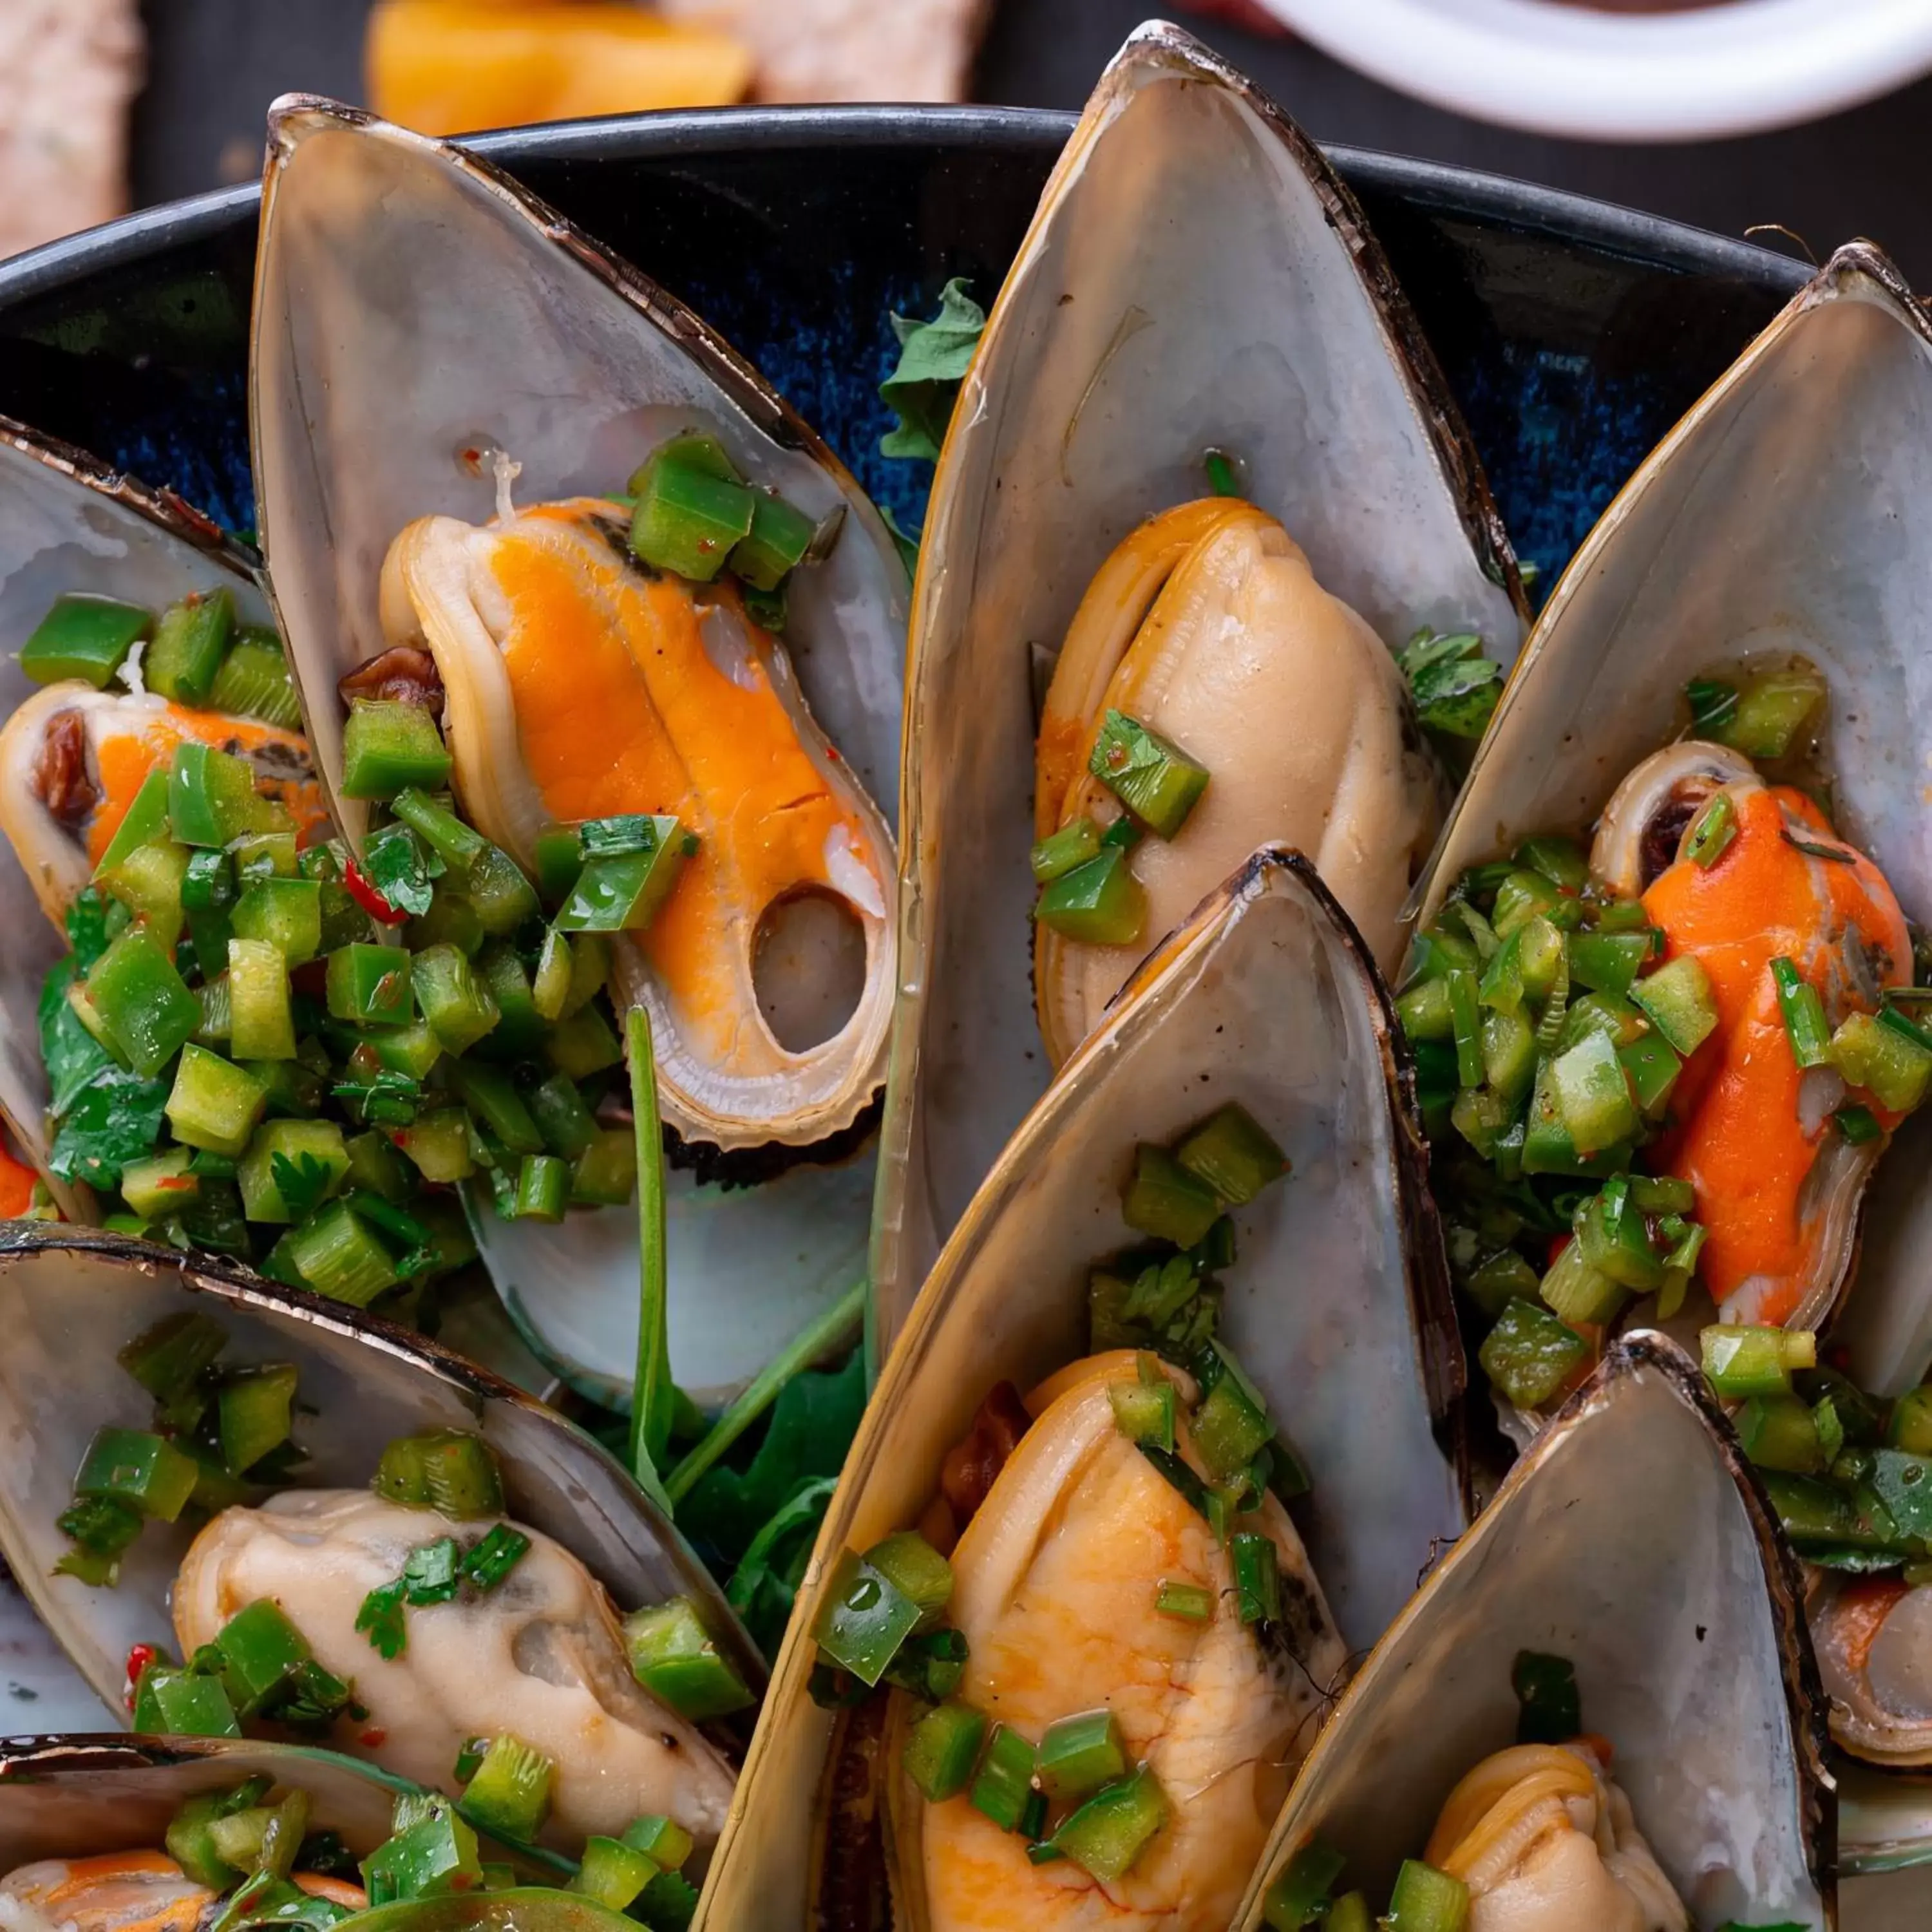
(181, 1184)
(375, 1737)
(1557, 1243)
(138, 1658)
(369, 899)
(832, 752)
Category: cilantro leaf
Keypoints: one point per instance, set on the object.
(381, 1618)
(812, 1424)
(402, 868)
(87, 927)
(71, 1054)
(933, 356)
(302, 1183)
(430, 1572)
(1456, 688)
(115, 1119)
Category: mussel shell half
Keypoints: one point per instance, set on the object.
(1334, 1307)
(72, 1298)
(1196, 276)
(1633, 1539)
(1789, 511)
(67, 523)
(416, 311)
(74, 1797)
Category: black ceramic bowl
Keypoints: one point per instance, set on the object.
(1573, 333)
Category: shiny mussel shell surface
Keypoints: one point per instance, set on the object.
(1633, 1539)
(1196, 276)
(1335, 1305)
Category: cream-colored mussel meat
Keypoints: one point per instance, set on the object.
(1208, 626)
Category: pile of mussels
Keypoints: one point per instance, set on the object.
(479, 903)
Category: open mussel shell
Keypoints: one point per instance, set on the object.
(67, 523)
(1790, 511)
(1196, 277)
(81, 1796)
(72, 1299)
(1633, 1539)
(1335, 1306)
(417, 315)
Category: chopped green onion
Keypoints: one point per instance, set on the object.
(1163, 1199)
(673, 1657)
(1144, 1412)
(1059, 852)
(1079, 1755)
(1531, 1356)
(449, 1471)
(1299, 1896)
(941, 1749)
(1425, 1899)
(911, 1564)
(1192, 1603)
(1804, 1013)
(139, 1470)
(1257, 1578)
(1004, 1781)
(1232, 1154)
(189, 642)
(1710, 837)
(255, 1411)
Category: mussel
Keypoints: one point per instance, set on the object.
(1246, 639)
(104, 1835)
(1756, 560)
(466, 541)
(532, 1523)
(1001, 1431)
(71, 527)
(1700, 1794)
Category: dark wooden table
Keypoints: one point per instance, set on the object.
(216, 64)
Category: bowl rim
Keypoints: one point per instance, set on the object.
(1701, 71)
(1489, 200)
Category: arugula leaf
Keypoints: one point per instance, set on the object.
(933, 356)
(811, 1427)
(907, 541)
(381, 1618)
(301, 1183)
(402, 868)
(764, 1586)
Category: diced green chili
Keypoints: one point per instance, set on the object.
(1740, 1359)
(1100, 903)
(141, 1001)
(212, 797)
(582, 1043)
(438, 1144)
(1531, 1356)
(688, 520)
(673, 1656)
(1152, 776)
(255, 1412)
(611, 1872)
(286, 914)
(1592, 1096)
(450, 1470)
(1888, 1063)
(189, 644)
(84, 637)
(510, 1794)
(1772, 709)
(183, 1703)
(1779, 1431)
(1163, 1199)
(1109, 1832)
(865, 1619)
(389, 747)
(156, 1188)
(1078, 1755)
(436, 1857)
(917, 1571)
(559, 858)
(1059, 852)
(1232, 1422)
(624, 893)
(606, 1174)
(255, 681)
(259, 1649)
(213, 1104)
(775, 545)
(261, 1022)
(1425, 1900)
(290, 1168)
(459, 1011)
(139, 1470)
(1299, 1896)
(370, 985)
(1144, 1412)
